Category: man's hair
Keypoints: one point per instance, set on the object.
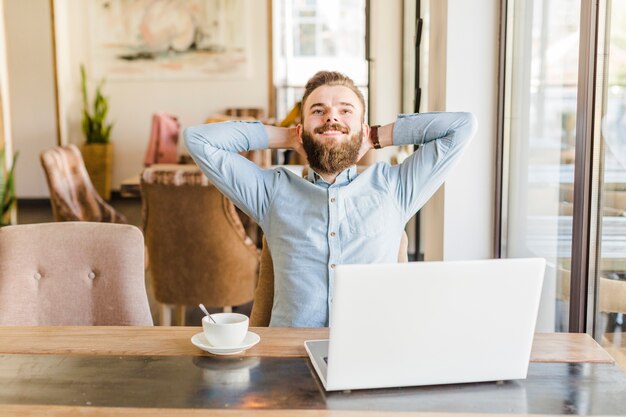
(331, 78)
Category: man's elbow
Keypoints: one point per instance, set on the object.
(192, 138)
(467, 127)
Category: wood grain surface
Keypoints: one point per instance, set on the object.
(59, 411)
(275, 342)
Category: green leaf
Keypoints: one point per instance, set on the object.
(7, 187)
(95, 128)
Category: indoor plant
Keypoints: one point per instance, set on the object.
(97, 150)
(7, 189)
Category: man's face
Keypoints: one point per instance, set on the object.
(332, 131)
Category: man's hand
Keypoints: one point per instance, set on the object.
(295, 142)
(284, 138)
(366, 145)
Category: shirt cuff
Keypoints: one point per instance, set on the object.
(407, 130)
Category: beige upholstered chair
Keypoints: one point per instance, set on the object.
(72, 195)
(197, 246)
(264, 293)
(611, 294)
(72, 273)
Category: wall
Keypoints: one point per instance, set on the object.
(471, 84)
(385, 62)
(5, 121)
(29, 56)
(32, 99)
(463, 77)
(132, 103)
(31, 90)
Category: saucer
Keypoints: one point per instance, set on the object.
(199, 340)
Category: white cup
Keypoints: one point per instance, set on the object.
(229, 329)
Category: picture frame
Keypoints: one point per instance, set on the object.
(161, 39)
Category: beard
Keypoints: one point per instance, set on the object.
(335, 158)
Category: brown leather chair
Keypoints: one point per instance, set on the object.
(72, 274)
(198, 249)
(72, 195)
(264, 293)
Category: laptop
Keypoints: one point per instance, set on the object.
(427, 323)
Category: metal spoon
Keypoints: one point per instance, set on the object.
(204, 310)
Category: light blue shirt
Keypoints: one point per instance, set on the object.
(312, 226)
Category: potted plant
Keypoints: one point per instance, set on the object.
(7, 189)
(97, 150)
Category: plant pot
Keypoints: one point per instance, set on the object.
(98, 159)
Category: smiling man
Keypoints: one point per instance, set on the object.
(334, 215)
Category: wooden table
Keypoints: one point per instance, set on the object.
(141, 371)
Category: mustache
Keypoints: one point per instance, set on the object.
(331, 126)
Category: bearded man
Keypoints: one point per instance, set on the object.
(334, 215)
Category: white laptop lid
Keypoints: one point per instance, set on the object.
(428, 323)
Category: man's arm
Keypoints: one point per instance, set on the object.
(215, 148)
(442, 138)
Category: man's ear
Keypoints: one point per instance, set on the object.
(366, 131)
(299, 129)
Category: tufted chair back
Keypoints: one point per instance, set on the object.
(198, 249)
(72, 273)
(72, 195)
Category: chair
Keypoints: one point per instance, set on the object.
(198, 249)
(264, 293)
(163, 142)
(254, 113)
(72, 273)
(72, 195)
(611, 295)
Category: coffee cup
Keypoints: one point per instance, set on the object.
(229, 329)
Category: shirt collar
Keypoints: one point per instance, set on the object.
(345, 177)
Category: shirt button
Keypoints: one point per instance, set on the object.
(37, 276)
(91, 275)
(332, 200)
(332, 234)
(332, 266)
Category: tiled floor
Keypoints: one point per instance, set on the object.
(39, 211)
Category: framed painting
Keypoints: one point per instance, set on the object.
(170, 39)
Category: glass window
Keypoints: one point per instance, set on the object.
(314, 35)
(540, 121)
(611, 242)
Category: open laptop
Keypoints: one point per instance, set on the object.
(425, 323)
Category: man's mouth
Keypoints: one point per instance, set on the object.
(332, 130)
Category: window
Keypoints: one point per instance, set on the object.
(539, 136)
(314, 35)
(610, 273)
(542, 102)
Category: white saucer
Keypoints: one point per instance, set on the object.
(199, 340)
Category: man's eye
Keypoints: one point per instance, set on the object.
(346, 111)
(317, 111)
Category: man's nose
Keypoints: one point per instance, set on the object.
(332, 116)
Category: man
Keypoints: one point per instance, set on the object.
(335, 215)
